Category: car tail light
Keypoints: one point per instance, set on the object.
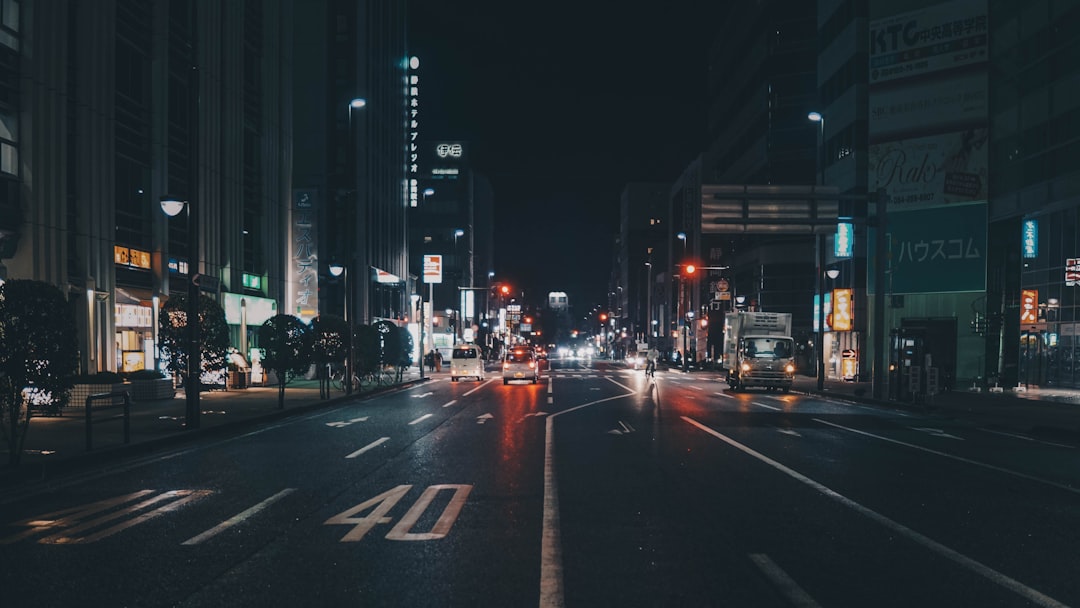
(506, 365)
(531, 365)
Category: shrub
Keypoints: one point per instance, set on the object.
(98, 378)
(145, 374)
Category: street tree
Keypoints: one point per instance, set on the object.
(213, 334)
(289, 346)
(331, 346)
(38, 355)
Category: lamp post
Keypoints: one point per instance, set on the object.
(428, 192)
(458, 275)
(172, 206)
(357, 103)
(819, 118)
(648, 302)
(341, 270)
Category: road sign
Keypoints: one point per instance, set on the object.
(433, 269)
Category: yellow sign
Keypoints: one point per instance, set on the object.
(841, 310)
(126, 256)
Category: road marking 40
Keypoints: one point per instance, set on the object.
(382, 504)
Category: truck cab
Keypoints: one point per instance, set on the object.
(759, 350)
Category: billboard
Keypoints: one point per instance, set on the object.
(937, 250)
(931, 171)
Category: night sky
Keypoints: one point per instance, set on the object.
(562, 104)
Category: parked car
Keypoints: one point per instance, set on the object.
(520, 364)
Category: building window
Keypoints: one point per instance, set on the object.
(9, 137)
(9, 23)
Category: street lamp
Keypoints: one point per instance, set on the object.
(172, 206)
(819, 118)
(338, 269)
(682, 237)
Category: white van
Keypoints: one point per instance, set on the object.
(466, 361)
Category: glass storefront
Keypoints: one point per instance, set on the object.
(134, 337)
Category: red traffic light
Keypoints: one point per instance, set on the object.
(690, 269)
(603, 316)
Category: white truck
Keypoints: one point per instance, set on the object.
(759, 350)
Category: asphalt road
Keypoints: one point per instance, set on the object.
(594, 487)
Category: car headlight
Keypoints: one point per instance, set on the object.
(790, 368)
(745, 367)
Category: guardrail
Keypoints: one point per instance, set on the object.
(91, 421)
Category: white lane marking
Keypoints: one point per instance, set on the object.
(1026, 438)
(960, 559)
(421, 419)
(697, 388)
(551, 400)
(551, 575)
(370, 446)
(422, 395)
(482, 418)
(991, 467)
(791, 432)
(725, 395)
(238, 518)
(935, 432)
(787, 585)
(449, 403)
(550, 385)
(768, 407)
(482, 385)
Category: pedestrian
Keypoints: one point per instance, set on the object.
(430, 360)
(438, 361)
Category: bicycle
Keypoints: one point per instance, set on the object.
(650, 369)
(337, 380)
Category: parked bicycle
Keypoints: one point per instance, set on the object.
(337, 380)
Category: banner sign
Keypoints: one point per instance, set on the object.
(844, 243)
(841, 310)
(1030, 239)
(433, 268)
(932, 171)
(1029, 306)
(938, 250)
(1072, 272)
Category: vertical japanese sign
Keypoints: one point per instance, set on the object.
(841, 310)
(1029, 306)
(1030, 239)
(303, 260)
(844, 243)
(412, 118)
(1072, 272)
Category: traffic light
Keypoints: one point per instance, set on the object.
(603, 317)
(691, 269)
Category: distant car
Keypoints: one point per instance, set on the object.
(520, 364)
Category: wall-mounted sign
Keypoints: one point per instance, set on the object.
(130, 315)
(1030, 239)
(433, 268)
(178, 266)
(252, 281)
(303, 256)
(1029, 306)
(386, 278)
(1072, 272)
(413, 118)
(841, 310)
(844, 246)
(452, 150)
(258, 309)
(134, 258)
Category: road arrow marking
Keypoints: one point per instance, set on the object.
(344, 423)
(530, 415)
(422, 395)
(626, 429)
(789, 432)
(936, 432)
(483, 418)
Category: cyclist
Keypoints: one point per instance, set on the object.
(650, 361)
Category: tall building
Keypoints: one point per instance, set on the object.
(107, 107)
(1030, 318)
(349, 195)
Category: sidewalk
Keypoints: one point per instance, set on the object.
(1050, 413)
(58, 444)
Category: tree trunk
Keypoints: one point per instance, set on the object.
(281, 393)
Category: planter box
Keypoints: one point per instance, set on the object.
(149, 390)
(80, 392)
